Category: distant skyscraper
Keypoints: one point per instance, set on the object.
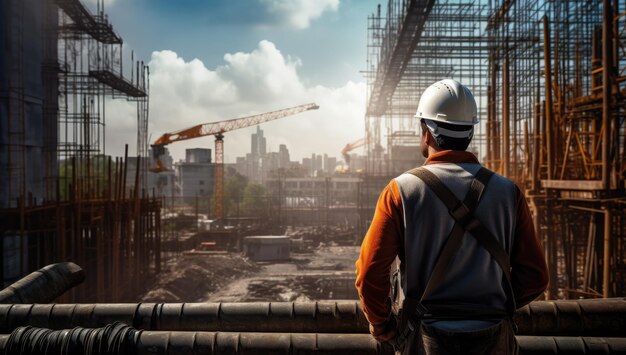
(306, 164)
(330, 163)
(258, 151)
(283, 156)
(319, 163)
(259, 144)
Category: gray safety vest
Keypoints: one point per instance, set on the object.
(473, 277)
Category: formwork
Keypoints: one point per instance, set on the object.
(549, 79)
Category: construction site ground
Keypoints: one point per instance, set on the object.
(324, 272)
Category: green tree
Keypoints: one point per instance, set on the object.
(255, 200)
(234, 187)
(92, 173)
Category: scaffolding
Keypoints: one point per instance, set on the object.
(415, 44)
(91, 62)
(550, 82)
(558, 69)
(61, 197)
(445, 42)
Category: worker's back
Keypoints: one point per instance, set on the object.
(473, 277)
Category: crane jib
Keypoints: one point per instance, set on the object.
(237, 123)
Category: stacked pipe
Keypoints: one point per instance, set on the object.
(44, 285)
(546, 327)
(572, 327)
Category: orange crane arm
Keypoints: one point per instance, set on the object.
(212, 128)
(351, 146)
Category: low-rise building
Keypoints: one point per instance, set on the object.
(195, 175)
(266, 247)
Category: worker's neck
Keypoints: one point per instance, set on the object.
(432, 151)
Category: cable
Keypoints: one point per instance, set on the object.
(115, 338)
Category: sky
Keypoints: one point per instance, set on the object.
(212, 60)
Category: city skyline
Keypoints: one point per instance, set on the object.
(266, 143)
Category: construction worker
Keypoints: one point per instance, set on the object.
(467, 251)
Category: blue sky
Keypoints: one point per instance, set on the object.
(219, 59)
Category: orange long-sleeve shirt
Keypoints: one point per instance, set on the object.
(382, 244)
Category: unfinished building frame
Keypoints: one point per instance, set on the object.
(63, 199)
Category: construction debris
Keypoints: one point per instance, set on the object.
(192, 278)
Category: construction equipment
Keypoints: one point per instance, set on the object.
(218, 129)
(350, 147)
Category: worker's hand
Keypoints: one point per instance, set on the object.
(384, 332)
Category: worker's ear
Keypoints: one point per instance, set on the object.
(431, 141)
(428, 139)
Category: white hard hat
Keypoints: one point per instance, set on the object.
(448, 101)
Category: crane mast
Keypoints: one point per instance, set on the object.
(218, 190)
(218, 129)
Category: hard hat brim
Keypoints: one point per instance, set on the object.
(437, 130)
(475, 121)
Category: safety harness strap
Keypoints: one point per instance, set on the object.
(463, 214)
(456, 235)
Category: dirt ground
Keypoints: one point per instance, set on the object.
(327, 272)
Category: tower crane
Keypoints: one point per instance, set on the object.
(218, 129)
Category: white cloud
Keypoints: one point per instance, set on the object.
(264, 74)
(299, 13)
(173, 77)
(186, 93)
